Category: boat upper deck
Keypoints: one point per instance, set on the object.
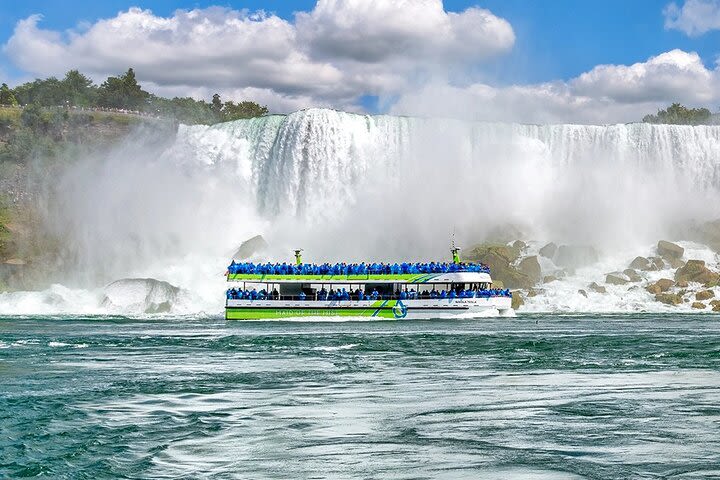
(432, 272)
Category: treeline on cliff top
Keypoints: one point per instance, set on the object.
(123, 92)
(677, 114)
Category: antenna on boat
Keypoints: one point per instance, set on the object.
(298, 256)
(455, 250)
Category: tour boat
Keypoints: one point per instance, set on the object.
(395, 291)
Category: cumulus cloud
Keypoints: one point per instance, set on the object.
(340, 50)
(373, 31)
(605, 94)
(694, 18)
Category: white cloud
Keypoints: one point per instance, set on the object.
(694, 18)
(373, 31)
(379, 46)
(675, 75)
(605, 94)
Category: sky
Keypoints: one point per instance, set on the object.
(528, 61)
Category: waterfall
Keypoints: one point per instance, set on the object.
(346, 186)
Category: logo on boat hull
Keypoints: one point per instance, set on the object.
(399, 310)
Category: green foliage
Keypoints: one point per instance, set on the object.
(677, 114)
(7, 97)
(236, 111)
(32, 117)
(184, 110)
(122, 92)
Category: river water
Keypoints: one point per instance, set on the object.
(537, 396)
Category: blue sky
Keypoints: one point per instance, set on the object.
(555, 40)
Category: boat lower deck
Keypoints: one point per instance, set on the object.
(383, 309)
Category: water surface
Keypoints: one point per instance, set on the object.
(631, 396)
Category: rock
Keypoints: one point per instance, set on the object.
(519, 245)
(698, 305)
(616, 278)
(549, 279)
(250, 247)
(715, 303)
(530, 267)
(498, 284)
(656, 263)
(662, 285)
(534, 292)
(696, 271)
(499, 258)
(640, 263)
(716, 308)
(675, 262)
(597, 288)
(704, 295)
(575, 256)
(632, 275)
(549, 250)
(669, 250)
(669, 298)
(517, 300)
(140, 295)
(582, 292)
(682, 284)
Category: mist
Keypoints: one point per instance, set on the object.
(353, 187)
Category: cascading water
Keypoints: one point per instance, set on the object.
(348, 186)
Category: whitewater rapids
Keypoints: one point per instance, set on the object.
(356, 187)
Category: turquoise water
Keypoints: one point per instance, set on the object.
(530, 397)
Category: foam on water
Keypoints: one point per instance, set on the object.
(357, 187)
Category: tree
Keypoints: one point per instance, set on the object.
(122, 92)
(32, 117)
(235, 111)
(677, 114)
(7, 98)
(217, 103)
(78, 89)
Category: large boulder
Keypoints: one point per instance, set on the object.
(661, 286)
(669, 250)
(696, 271)
(575, 256)
(140, 295)
(548, 251)
(704, 295)
(640, 263)
(250, 247)
(669, 298)
(632, 275)
(616, 278)
(517, 300)
(499, 259)
(530, 267)
(597, 288)
(698, 305)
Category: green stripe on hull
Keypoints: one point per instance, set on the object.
(268, 313)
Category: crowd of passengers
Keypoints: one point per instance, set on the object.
(353, 268)
(342, 294)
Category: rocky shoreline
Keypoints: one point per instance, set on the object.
(669, 277)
